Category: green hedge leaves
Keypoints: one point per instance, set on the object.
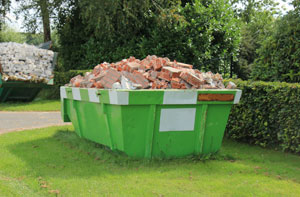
(268, 115)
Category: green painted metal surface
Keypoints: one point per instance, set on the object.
(18, 90)
(149, 123)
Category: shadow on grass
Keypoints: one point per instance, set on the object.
(67, 155)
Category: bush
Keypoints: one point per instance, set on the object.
(268, 115)
(8, 34)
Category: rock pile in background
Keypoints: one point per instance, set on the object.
(23, 62)
(150, 73)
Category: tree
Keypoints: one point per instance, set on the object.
(252, 36)
(4, 8)
(247, 9)
(257, 19)
(278, 57)
(38, 12)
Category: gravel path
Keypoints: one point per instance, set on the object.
(16, 121)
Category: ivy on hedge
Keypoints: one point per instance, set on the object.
(268, 115)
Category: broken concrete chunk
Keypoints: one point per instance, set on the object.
(231, 85)
(116, 85)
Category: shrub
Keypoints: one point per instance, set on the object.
(8, 34)
(268, 115)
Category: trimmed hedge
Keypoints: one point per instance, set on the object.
(268, 115)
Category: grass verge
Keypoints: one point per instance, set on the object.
(40, 105)
(55, 161)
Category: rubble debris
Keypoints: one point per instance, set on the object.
(23, 62)
(150, 73)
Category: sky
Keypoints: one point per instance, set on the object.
(17, 24)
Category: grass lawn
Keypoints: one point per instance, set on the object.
(41, 105)
(54, 160)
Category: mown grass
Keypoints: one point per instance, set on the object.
(55, 161)
(39, 105)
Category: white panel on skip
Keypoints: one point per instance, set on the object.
(93, 95)
(76, 94)
(182, 119)
(180, 97)
(118, 97)
(63, 93)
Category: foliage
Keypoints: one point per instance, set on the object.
(279, 55)
(247, 9)
(34, 39)
(204, 34)
(8, 34)
(252, 35)
(4, 8)
(37, 13)
(267, 115)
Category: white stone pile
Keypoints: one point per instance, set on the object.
(23, 62)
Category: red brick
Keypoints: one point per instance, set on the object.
(175, 85)
(183, 86)
(192, 79)
(173, 72)
(140, 79)
(183, 65)
(177, 80)
(133, 66)
(129, 76)
(165, 76)
(110, 78)
(157, 65)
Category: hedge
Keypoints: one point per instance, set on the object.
(60, 79)
(268, 115)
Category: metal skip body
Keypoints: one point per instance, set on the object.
(150, 123)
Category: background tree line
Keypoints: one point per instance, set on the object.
(250, 37)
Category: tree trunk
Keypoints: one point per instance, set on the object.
(46, 19)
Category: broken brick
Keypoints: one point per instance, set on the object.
(133, 66)
(165, 76)
(110, 78)
(140, 79)
(192, 79)
(183, 65)
(154, 72)
(173, 72)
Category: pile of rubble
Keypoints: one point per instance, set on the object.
(152, 72)
(23, 62)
